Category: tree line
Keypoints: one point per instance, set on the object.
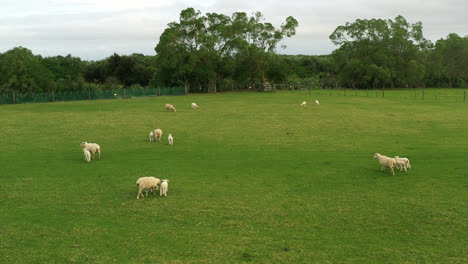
(215, 52)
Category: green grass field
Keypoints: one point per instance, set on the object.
(253, 178)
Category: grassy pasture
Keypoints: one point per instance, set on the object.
(253, 178)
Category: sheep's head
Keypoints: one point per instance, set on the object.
(396, 157)
(83, 144)
(375, 155)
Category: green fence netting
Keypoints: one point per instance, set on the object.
(10, 98)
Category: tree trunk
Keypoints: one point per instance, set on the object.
(450, 82)
(393, 83)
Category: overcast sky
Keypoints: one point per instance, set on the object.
(95, 29)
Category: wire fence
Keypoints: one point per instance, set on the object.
(14, 98)
(410, 94)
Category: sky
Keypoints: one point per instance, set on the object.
(94, 30)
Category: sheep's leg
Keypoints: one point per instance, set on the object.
(99, 151)
(392, 171)
(405, 169)
(138, 196)
(382, 168)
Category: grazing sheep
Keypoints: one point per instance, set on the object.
(92, 147)
(194, 106)
(158, 133)
(303, 103)
(87, 155)
(405, 161)
(317, 103)
(170, 107)
(151, 136)
(170, 139)
(164, 187)
(385, 162)
(147, 184)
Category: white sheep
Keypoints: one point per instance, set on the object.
(87, 155)
(303, 103)
(158, 133)
(400, 164)
(194, 106)
(164, 188)
(170, 107)
(405, 161)
(170, 139)
(317, 103)
(385, 162)
(92, 147)
(151, 136)
(147, 184)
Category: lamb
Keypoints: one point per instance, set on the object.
(147, 184)
(87, 155)
(92, 147)
(403, 160)
(317, 103)
(385, 162)
(303, 103)
(158, 133)
(151, 136)
(400, 164)
(164, 187)
(170, 139)
(170, 107)
(194, 106)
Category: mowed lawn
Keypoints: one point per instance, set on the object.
(254, 177)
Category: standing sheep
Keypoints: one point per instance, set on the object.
(151, 136)
(317, 103)
(403, 160)
(170, 107)
(385, 162)
(92, 147)
(87, 155)
(170, 139)
(400, 164)
(303, 103)
(164, 188)
(158, 133)
(194, 106)
(147, 184)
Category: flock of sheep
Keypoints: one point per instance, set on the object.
(147, 184)
(152, 184)
(387, 162)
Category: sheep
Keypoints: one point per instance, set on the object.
(317, 103)
(158, 133)
(400, 164)
(170, 139)
(303, 103)
(170, 107)
(385, 162)
(405, 161)
(194, 106)
(151, 136)
(92, 147)
(87, 155)
(164, 187)
(147, 184)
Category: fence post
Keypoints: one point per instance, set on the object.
(124, 93)
(383, 92)
(89, 94)
(14, 98)
(53, 96)
(464, 96)
(423, 94)
(159, 91)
